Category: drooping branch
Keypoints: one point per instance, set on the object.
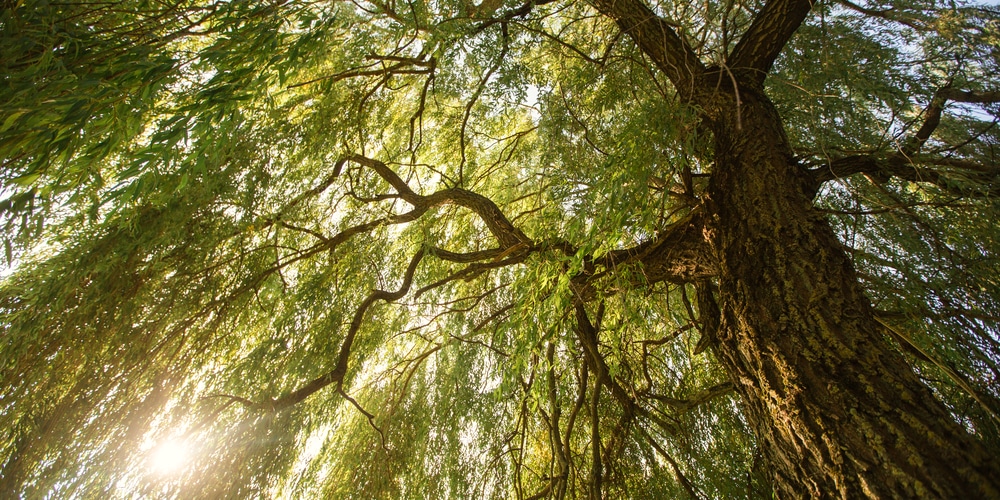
(768, 34)
(596, 469)
(560, 470)
(587, 334)
(657, 39)
(336, 376)
(505, 47)
(581, 398)
(689, 487)
(985, 400)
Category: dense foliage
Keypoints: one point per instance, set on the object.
(409, 250)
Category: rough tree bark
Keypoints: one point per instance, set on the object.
(837, 410)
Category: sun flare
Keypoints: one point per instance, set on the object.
(169, 456)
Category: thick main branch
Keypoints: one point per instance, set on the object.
(767, 36)
(657, 39)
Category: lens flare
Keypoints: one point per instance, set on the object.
(170, 456)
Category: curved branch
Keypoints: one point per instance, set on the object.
(336, 376)
(678, 254)
(368, 415)
(473, 270)
(495, 220)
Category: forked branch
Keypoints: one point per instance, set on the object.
(491, 215)
(932, 115)
(336, 376)
(509, 236)
(956, 176)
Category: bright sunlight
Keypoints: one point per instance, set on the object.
(169, 456)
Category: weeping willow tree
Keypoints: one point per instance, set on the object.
(542, 249)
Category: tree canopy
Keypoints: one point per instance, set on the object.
(388, 249)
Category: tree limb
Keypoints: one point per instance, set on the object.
(985, 177)
(495, 220)
(907, 163)
(932, 118)
(932, 115)
(882, 14)
(971, 96)
(768, 34)
(657, 39)
(683, 405)
(336, 376)
(678, 254)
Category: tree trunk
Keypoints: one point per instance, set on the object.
(838, 412)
